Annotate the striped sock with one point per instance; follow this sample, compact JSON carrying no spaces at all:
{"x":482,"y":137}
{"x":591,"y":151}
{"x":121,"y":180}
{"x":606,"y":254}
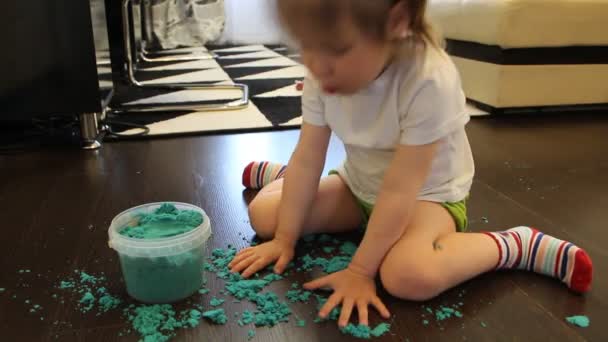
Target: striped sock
{"x":526,"y":248}
{"x":259,"y":174}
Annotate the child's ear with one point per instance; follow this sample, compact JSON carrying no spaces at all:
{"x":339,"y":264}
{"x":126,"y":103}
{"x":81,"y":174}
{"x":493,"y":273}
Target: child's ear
{"x":398,"y":24}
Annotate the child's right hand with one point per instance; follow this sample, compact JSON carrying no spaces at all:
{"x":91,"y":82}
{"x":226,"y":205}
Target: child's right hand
{"x":253,"y":259}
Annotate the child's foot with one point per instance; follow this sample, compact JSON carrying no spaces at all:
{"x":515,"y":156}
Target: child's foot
{"x":525,"y":248}
{"x":259,"y":174}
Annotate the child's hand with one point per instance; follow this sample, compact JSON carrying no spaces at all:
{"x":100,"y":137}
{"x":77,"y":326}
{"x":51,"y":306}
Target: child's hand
{"x":253,"y":259}
{"x":350,"y":289}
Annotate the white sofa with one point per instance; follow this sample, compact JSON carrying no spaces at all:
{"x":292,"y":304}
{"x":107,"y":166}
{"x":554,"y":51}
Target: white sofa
{"x":528,"y":53}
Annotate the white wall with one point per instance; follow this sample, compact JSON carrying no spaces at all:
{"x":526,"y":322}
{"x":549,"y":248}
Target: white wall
{"x":251,"y":22}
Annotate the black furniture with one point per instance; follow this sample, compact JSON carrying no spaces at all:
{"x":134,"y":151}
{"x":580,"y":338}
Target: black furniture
{"x":52,"y":55}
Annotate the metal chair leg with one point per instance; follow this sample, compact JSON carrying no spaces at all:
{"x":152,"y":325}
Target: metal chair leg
{"x":174,"y":56}
{"x":89,"y":131}
{"x":191,"y":106}
{"x":241,"y":103}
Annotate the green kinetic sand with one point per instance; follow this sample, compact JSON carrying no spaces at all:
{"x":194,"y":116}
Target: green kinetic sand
{"x":270,"y":311}
{"x":348,"y":248}
{"x":158,"y":323}
{"x":329,"y":249}
{"x":217,"y":316}
{"x":298,"y":296}
{"x":106,"y":302}
{"x":66,"y":285}
{"x":87,"y":278}
{"x":334,"y":264}
{"x":87,"y":301}
{"x":163,"y":279}
{"x":442,"y":313}
{"x":195,"y":318}
{"x":216,"y":301}
{"x":579,"y":321}
{"x":246,"y":318}
{"x":36,"y":308}
{"x":324,"y":238}
{"x":161,"y":322}
{"x":169,"y":278}
{"x":154,"y":323}
{"x":446,"y":312}
{"x":92,"y":295}
{"x":365,"y":332}
{"x":166,"y":221}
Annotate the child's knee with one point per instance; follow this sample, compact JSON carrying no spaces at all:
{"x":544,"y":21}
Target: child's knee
{"x":410,"y":281}
{"x":262,"y":217}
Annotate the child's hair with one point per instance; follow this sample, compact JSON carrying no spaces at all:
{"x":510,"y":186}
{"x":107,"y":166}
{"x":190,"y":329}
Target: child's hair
{"x":369,"y":15}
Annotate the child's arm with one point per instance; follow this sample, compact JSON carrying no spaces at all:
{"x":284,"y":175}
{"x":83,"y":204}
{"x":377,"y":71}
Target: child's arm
{"x":355,"y":286}
{"x":299,"y":189}
{"x":302,"y":181}
{"x":392,"y":212}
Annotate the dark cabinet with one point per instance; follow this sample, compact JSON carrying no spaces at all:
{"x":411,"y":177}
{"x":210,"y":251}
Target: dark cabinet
{"x":53,"y":54}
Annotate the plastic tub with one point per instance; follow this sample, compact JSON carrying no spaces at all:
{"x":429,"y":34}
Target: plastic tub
{"x":163,"y":270}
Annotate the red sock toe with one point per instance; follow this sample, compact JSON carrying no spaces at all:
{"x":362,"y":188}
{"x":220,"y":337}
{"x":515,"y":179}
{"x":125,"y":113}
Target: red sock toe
{"x":247,"y":175}
{"x":582,"y":273}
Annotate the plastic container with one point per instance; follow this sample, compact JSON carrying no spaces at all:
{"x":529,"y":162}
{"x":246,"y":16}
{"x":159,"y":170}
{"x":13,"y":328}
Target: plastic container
{"x":163,"y":270}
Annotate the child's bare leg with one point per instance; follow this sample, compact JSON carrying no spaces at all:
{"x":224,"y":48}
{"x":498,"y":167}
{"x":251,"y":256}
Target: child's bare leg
{"x":432,"y":257}
{"x":334,"y":209}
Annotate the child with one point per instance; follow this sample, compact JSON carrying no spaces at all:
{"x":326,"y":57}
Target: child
{"x":381,"y":82}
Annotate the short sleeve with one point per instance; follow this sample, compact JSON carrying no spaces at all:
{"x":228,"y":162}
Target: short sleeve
{"x":313,"y":108}
{"x":437,"y":109}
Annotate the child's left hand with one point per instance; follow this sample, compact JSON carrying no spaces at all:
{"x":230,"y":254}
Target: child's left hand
{"x":350,"y":289}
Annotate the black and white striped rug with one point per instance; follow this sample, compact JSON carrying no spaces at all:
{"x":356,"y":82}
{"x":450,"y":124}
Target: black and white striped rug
{"x":270,"y":72}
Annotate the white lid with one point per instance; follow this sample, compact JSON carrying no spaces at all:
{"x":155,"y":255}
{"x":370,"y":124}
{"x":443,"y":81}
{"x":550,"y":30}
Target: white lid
{"x":156,"y":247}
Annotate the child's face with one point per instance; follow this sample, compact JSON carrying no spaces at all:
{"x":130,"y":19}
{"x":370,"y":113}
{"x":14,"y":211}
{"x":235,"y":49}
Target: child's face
{"x":345,"y":60}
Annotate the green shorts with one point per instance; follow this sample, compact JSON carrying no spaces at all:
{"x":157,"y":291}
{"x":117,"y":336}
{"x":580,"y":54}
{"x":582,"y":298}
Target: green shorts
{"x":458,"y":210}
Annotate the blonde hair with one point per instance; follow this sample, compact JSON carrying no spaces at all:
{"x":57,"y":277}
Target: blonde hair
{"x":370,"y":16}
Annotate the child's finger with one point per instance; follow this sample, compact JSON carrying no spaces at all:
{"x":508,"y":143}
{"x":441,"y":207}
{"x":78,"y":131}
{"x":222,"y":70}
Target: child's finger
{"x":333,"y":301}
{"x":239,"y":258}
{"x":377,"y":303}
{"x":244,"y":251}
{"x":254,"y":267}
{"x":243,"y":264}
{"x":362,"y":309}
{"x":347,"y":309}
{"x":281,"y":264}
{"x":242,"y":254}
{"x":317,"y":283}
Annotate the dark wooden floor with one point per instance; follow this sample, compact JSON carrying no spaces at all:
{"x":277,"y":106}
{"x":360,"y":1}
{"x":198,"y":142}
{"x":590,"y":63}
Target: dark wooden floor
{"x":547,"y":171}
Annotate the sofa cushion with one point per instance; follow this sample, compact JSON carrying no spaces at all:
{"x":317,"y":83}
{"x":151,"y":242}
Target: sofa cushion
{"x":523,"y":23}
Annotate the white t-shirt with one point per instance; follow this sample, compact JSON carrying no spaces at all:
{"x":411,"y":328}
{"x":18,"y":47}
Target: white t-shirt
{"x":413,"y":102}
